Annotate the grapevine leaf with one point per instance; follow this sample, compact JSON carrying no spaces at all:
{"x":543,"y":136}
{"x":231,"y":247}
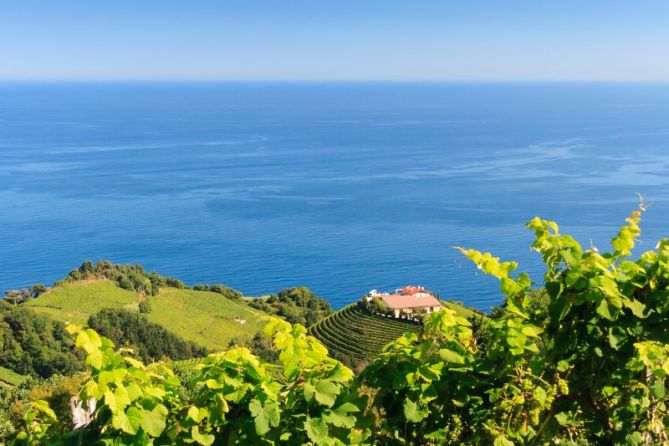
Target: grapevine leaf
{"x":94,"y":359}
{"x":88,"y":340}
{"x":121,"y":422}
{"x":502,"y":441}
{"x":153,"y":422}
{"x":326,"y":392}
{"x":203,"y":439}
{"x":603,"y":310}
{"x":451,"y":356}
{"x":264,"y":416}
{"x":413,"y":412}
{"x":317,"y":430}
{"x":637,"y":307}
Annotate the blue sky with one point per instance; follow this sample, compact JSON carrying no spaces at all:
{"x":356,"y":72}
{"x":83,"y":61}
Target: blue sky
{"x":469,"y":40}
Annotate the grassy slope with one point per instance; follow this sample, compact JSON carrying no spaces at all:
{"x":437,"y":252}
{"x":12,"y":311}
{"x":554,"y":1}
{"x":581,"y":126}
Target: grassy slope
{"x":75,"y":302}
{"x":11,"y":378}
{"x":204,"y":317}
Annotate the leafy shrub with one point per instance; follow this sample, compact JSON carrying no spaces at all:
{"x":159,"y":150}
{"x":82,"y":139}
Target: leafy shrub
{"x":223,"y":290}
{"x":375,"y":305}
{"x":174,"y":283}
{"x":37,"y":290}
{"x":144,"y":306}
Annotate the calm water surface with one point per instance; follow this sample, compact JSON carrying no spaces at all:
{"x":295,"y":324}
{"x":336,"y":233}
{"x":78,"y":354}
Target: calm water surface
{"x":340,"y":187}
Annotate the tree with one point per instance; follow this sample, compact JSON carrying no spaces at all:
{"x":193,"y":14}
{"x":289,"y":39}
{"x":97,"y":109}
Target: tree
{"x":37,"y":290}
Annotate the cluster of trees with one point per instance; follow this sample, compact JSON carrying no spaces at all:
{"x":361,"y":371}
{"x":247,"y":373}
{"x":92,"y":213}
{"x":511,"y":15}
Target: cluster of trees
{"x":151,"y":342}
{"x":375,"y":305}
{"x":223,"y":290}
{"x":128,"y":277}
{"x":586,"y":361}
{"x":35,"y":345}
{"x":298,"y":305}
{"x":20,"y":296}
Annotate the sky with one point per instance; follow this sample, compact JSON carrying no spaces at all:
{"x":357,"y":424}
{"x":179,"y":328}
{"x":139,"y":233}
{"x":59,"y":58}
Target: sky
{"x":342,"y":40}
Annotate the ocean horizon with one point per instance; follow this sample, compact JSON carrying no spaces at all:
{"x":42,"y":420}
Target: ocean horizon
{"x":340,"y":187}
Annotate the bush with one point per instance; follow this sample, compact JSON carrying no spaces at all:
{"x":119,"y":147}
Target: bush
{"x":37,"y":290}
{"x":229,"y":293}
{"x":221,"y":289}
{"x":375,"y":305}
{"x":174,"y":283}
{"x":144,"y":307}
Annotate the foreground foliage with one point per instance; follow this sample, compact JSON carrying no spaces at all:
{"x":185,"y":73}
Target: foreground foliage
{"x":585,"y":361}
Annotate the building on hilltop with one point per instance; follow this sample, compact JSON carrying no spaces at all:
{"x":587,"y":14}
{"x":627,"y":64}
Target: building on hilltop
{"x":408,"y":301}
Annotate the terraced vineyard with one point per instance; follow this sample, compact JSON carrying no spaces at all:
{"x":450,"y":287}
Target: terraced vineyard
{"x":354,"y":336}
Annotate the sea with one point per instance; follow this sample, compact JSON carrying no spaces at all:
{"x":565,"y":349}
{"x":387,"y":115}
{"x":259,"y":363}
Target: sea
{"x":340,"y":187}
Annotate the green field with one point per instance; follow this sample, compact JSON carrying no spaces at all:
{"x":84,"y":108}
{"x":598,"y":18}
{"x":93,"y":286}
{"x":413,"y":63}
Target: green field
{"x":206,"y":318}
{"x":8,"y":377}
{"x":76,"y":301}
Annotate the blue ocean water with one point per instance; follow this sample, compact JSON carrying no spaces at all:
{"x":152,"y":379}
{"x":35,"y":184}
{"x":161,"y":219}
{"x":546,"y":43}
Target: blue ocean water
{"x":339,"y":187}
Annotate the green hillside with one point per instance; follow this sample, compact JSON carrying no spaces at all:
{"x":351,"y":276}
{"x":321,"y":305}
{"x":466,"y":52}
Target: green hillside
{"x":355,"y":336}
{"x":203,"y":317}
{"x":76,"y":301}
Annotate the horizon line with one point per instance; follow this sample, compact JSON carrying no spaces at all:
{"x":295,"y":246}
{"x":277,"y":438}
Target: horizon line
{"x":344,"y":81}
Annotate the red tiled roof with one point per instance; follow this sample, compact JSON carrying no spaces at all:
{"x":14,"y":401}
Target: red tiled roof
{"x":411,"y":290}
{"x":401,"y":301}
